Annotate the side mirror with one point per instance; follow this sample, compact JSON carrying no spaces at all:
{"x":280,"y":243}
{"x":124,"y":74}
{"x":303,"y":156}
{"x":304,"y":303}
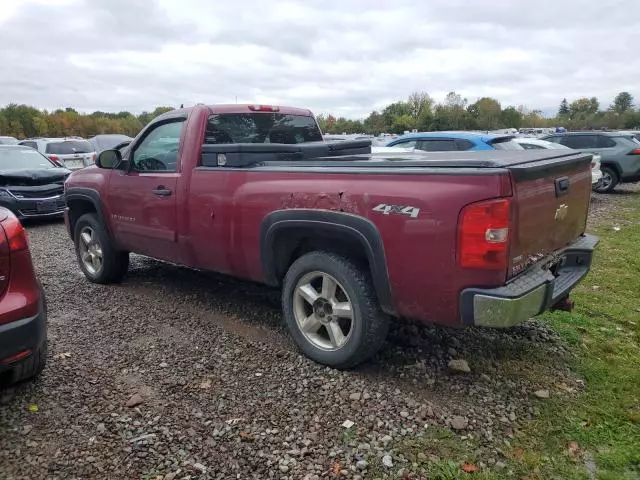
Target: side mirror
{"x":109,"y":159}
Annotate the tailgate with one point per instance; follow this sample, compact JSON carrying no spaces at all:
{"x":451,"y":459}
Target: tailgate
{"x":552,"y":203}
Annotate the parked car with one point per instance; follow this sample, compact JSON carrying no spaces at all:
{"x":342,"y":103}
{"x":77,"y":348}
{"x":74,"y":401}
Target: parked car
{"x":455,"y":141}
{"x":634,"y":133}
{"x":8,"y":141}
{"x":536,"y":144}
{"x":108,"y":141}
{"x":351,"y":238}
{"x":619,"y":154}
{"x":31,"y":185}
{"x":73,"y":153}
{"x":23,"y":310}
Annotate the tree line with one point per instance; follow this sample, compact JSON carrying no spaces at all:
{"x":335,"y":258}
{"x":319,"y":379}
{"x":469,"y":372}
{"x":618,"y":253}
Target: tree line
{"x":419,"y":111}
{"x":22,"y":121}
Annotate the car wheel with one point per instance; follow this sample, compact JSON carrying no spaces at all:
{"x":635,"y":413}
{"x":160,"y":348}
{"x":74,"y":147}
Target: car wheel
{"x":331,"y":310}
{"x":608,"y":181}
{"x":99,"y":259}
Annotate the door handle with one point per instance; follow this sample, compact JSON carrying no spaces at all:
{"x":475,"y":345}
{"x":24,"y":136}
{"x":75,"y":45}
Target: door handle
{"x":162,"y":192}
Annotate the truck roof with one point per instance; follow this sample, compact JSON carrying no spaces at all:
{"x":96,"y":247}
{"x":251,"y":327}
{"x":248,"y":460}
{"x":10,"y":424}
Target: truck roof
{"x":241,"y":108}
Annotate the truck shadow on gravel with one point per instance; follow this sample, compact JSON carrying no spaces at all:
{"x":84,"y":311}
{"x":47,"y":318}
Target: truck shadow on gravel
{"x":415,"y":355}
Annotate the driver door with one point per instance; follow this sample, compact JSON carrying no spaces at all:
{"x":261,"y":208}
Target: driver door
{"x":142,"y":200}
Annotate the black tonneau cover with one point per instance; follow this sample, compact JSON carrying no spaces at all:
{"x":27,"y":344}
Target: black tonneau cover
{"x":250,"y":154}
{"x":357,"y":153}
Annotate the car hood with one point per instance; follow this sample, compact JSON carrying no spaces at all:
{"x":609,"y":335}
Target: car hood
{"x":27,"y":178}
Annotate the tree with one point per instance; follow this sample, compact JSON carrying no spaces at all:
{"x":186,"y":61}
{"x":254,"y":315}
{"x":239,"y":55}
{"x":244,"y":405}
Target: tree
{"x":486,"y":112}
{"x":455,"y":100}
{"x":511,"y":118}
{"x":622,"y":103}
{"x":563,"y":111}
{"x":583,"y":107}
{"x":420,"y":104}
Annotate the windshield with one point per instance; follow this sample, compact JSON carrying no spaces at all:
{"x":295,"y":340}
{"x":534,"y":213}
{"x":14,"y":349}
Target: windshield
{"x":69,"y":147}
{"x":23,"y":159}
{"x":261,"y":128}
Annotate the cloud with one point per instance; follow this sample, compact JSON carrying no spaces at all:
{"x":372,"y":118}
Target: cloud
{"x":347,"y":57}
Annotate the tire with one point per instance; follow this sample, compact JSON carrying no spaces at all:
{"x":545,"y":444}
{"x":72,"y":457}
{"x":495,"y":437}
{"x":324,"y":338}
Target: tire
{"x":609,"y":181}
{"x":31,"y":367}
{"x":114,"y":263}
{"x":368,"y":326}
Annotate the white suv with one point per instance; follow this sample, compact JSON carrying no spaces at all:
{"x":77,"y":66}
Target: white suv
{"x":72,"y":153}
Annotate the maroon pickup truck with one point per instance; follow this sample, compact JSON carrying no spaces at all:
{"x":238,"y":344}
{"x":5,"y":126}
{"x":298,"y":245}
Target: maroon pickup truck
{"x":457,"y":238}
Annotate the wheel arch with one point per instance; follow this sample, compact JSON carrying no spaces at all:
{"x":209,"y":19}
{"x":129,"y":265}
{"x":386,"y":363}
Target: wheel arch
{"x":80,"y":201}
{"x":288,"y":234}
{"x":614,"y":165}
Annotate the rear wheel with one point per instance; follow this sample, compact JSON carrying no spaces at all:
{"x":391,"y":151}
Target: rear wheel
{"x":331,"y":310}
{"x":609,"y":180}
{"x":99,"y":259}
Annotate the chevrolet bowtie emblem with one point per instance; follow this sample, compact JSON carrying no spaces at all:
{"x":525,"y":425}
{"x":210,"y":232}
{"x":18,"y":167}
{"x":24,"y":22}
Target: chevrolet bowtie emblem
{"x":561,"y":212}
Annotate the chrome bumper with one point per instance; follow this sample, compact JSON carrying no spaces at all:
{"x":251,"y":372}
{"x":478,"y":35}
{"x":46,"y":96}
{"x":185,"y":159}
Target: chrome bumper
{"x":530,"y":293}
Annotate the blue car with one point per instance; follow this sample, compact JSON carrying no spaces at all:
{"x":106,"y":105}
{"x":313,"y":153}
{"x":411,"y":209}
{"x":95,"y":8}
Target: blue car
{"x":455,"y":141}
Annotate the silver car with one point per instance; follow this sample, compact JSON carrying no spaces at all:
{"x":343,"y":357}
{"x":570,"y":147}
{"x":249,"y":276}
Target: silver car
{"x":8,"y":140}
{"x":72,"y":153}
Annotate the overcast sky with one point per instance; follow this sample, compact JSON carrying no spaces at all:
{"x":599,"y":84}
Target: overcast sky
{"x":345,"y":57}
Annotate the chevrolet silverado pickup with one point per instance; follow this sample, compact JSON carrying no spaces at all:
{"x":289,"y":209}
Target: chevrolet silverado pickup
{"x":351,"y":239}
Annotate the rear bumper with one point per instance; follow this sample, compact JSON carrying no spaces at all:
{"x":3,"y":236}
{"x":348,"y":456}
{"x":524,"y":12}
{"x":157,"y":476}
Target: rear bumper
{"x":531,"y":292}
{"x":27,"y":334}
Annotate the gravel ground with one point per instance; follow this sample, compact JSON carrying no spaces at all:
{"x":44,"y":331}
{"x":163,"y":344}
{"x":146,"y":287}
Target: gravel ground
{"x":181,"y":374}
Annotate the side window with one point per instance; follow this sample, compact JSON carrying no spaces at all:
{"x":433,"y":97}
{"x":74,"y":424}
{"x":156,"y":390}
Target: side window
{"x":605,"y":142}
{"x":405,"y":144}
{"x":580,"y":142}
{"x":438,"y":145}
{"x":463,"y":144}
{"x":158,"y":151}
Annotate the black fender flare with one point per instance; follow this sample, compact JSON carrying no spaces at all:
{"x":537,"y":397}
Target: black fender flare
{"x":87,"y":195}
{"x":357,"y":228}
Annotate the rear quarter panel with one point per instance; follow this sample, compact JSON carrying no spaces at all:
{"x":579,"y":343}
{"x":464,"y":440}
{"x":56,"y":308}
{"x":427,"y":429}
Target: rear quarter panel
{"x":226,"y":208}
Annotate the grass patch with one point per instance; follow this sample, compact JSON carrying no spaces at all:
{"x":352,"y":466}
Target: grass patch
{"x":438,"y":454}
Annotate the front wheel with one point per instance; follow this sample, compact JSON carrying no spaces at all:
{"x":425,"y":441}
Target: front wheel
{"x":98,"y":257}
{"x":608,"y":181}
{"x":331,"y":310}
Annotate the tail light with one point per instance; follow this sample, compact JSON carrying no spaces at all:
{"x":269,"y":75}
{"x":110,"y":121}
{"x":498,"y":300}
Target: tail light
{"x":635,"y":151}
{"x":13,"y":238}
{"x":483,"y":235}
{"x":263,"y":108}
{"x":55,"y":159}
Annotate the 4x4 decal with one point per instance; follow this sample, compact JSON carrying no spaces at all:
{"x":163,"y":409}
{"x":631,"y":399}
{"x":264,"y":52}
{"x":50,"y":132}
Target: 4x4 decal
{"x":385,"y":209}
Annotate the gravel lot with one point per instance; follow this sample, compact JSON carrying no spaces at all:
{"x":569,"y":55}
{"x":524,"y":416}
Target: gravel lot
{"x":221,"y":392}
